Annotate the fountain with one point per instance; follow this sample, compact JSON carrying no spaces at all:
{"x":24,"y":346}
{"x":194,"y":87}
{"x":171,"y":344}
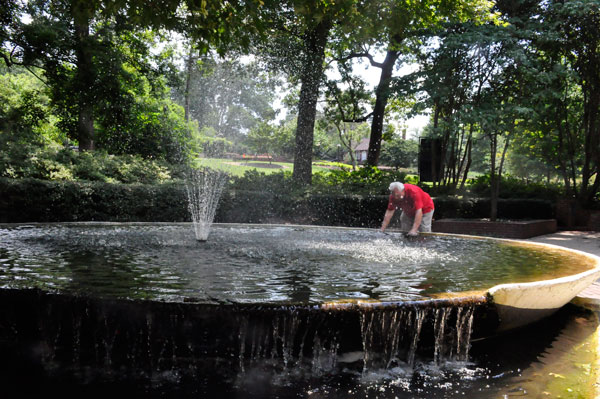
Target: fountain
{"x":204,"y":187}
{"x":261,"y":307}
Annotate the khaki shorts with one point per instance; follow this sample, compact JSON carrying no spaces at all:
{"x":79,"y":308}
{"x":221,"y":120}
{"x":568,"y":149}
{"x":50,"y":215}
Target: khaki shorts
{"x":406,"y":222}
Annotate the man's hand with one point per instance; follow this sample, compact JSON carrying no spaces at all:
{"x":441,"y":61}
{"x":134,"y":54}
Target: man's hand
{"x":386,"y":219}
{"x":412,"y":233}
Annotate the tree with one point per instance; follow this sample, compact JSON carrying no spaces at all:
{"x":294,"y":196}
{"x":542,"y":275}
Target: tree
{"x":227,"y":95}
{"x":69,"y":40}
{"x":572,"y":40}
{"x":298,"y":41}
{"x":456,"y":78}
{"x":345,"y":110}
{"x":262,"y":139}
{"x":388,"y":27}
{"x":25,"y":115}
{"x":400,"y":153}
{"x":560,"y":81}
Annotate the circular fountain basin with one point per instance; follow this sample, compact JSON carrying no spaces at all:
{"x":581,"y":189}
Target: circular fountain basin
{"x":149,"y":301}
{"x":291,"y":265}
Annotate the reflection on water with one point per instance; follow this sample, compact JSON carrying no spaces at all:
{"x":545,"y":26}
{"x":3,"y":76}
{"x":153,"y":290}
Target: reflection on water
{"x":254,"y":264}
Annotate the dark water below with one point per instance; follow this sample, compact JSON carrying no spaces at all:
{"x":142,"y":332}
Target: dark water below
{"x":257,"y":264}
{"x":555,"y":358}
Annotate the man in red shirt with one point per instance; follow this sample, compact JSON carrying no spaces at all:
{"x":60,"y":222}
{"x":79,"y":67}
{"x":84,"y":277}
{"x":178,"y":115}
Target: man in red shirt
{"x":417,"y":208}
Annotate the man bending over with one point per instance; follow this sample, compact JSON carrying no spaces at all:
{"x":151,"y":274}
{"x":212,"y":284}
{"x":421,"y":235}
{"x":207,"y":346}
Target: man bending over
{"x":417,"y":208}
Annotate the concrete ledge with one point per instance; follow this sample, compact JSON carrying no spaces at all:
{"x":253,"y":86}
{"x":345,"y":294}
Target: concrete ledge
{"x":504,"y":229}
{"x":519,"y":304}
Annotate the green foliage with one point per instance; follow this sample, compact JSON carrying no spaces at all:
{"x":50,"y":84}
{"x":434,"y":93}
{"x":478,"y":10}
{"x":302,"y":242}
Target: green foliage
{"x":215,"y":147}
{"x":261,"y":138}
{"x":225,"y":95}
{"x":364,"y":181}
{"x":33,"y":200}
{"x":285,"y":139}
{"x":25,"y":115}
{"x":511,"y":187}
{"x":50,"y":163}
{"x":155,"y":129}
{"x":106,"y":86}
{"x":399,"y":153}
{"x":277,"y":182}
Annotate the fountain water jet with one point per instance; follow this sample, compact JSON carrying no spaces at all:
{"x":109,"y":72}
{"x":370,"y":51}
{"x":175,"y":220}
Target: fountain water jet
{"x":204,"y":187}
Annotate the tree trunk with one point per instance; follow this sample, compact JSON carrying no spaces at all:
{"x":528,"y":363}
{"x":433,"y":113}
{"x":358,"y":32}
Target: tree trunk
{"x":467,"y":158}
{"x":382,"y":94}
{"x":311,"y":77}
{"x":496,"y":174}
{"x":591,"y":125}
{"x":494,"y":184}
{"x":188,"y":83}
{"x":434,"y":164}
{"x":85,"y":80}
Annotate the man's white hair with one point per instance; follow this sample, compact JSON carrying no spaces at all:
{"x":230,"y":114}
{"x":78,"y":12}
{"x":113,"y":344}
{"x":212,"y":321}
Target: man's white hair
{"x":396,"y":185}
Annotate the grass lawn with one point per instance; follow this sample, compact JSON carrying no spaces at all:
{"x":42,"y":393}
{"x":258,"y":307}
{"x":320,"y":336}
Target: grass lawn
{"x":237,"y":168}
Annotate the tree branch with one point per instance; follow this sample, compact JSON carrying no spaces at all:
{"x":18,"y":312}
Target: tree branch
{"x":358,"y":120}
{"x":361,"y":55}
{"x":7,"y":60}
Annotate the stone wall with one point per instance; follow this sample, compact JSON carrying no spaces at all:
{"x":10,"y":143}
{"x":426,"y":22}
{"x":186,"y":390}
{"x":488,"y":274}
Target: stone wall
{"x":571,"y":215}
{"x":502,"y":229}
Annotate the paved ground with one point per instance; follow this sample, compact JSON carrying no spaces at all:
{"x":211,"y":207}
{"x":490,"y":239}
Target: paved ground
{"x":586,"y":241}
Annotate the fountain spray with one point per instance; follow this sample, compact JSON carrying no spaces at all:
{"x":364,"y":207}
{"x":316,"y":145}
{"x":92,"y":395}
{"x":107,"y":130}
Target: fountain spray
{"x":204,"y":187}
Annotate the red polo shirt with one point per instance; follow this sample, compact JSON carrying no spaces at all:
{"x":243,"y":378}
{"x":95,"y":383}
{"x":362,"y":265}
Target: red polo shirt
{"x":414,"y":199}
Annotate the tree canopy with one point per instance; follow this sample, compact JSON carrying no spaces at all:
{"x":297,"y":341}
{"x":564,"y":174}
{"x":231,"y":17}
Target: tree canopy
{"x":165,"y":79}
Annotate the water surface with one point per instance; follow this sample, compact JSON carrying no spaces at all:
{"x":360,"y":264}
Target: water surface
{"x":263,"y":264}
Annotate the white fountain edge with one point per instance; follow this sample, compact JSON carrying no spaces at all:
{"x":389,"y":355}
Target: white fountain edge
{"x":520,"y":304}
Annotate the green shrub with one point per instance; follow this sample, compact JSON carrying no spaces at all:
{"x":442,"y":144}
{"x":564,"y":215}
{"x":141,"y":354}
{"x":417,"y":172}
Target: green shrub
{"x":479,"y":208}
{"x":51,"y":163}
{"x":511,"y":187}
{"x":364,"y":181}
{"x":34,"y":200}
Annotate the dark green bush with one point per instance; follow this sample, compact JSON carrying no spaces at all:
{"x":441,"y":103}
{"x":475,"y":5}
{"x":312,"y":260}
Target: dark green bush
{"x":511,"y":187}
{"x":331,"y":210}
{"x":32,"y":200}
{"x":479,"y":208}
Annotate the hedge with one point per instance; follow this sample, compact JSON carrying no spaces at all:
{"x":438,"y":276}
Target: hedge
{"x":31,"y":200}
